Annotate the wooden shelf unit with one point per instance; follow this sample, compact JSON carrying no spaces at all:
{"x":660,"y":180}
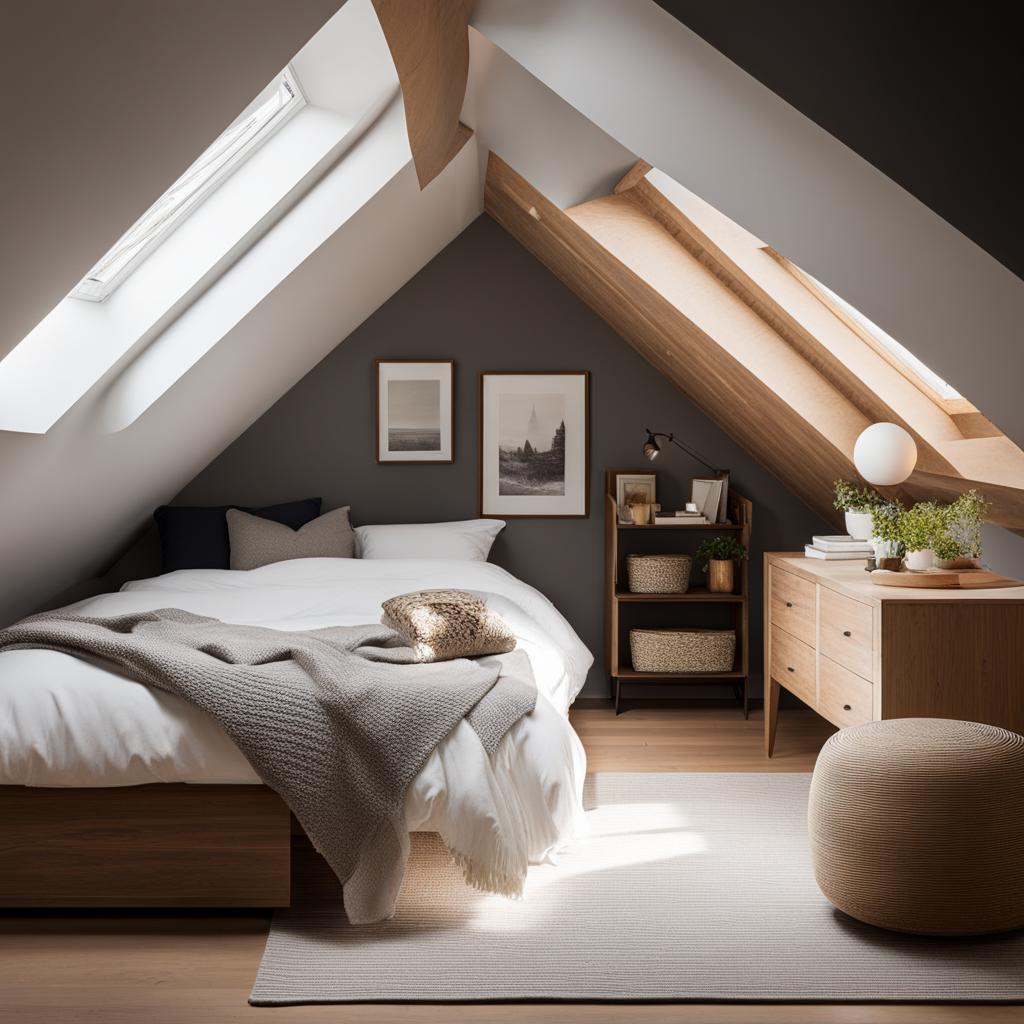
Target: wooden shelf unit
{"x":622,"y":539}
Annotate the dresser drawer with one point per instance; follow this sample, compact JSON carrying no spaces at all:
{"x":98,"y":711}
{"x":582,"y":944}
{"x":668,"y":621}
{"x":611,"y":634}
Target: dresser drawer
{"x":793,"y":604}
{"x":843,"y":697}
{"x":845,"y":632}
{"x":793,"y":666}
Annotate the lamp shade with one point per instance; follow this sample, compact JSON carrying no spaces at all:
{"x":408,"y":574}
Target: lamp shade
{"x":885,"y":454}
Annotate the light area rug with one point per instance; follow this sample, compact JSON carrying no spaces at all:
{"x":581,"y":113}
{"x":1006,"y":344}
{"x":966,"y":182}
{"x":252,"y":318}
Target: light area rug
{"x":691,"y":887}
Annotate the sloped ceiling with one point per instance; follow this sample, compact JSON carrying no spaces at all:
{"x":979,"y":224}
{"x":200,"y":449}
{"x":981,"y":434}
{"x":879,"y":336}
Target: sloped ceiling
{"x":571,"y":93}
{"x":925,"y":92}
{"x":666,"y":94}
{"x":106,"y":103}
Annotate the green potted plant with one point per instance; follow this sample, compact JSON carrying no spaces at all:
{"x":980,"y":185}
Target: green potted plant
{"x":921,"y":528}
{"x":885,"y":534}
{"x":958,"y":545}
{"x":717,"y":557}
{"x":857,"y":503}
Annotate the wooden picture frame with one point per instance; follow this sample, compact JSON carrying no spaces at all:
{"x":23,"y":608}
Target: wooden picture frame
{"x":550,"y":411}
{"x":415,"y":411}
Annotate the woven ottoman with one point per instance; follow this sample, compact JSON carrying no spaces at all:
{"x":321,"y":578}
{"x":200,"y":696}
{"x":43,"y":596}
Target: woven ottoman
{"x":917,"y":825}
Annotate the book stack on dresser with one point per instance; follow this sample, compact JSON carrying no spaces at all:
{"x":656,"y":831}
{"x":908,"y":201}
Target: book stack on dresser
{"x":838,"y":547}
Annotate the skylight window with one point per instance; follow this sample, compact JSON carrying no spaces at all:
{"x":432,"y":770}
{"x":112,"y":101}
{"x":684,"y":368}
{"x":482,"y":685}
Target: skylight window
{"x":907,"y":358}
{"x":266,"y":115}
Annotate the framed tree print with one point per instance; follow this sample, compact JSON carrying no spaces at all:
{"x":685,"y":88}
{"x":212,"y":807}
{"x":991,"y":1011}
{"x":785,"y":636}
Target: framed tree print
{"x":415,"y":411}
{"x":534,"y":444}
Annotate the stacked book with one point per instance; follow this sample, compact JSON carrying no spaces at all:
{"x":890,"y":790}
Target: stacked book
{"x":838,"y":547}
{"x":681,"y":519}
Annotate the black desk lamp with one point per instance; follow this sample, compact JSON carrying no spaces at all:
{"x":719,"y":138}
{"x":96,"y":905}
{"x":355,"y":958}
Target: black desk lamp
{"x":652,"y":448}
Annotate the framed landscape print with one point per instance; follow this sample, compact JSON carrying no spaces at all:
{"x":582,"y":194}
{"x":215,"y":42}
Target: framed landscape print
{"x":415,"y":411}
{"x":534,"y":444}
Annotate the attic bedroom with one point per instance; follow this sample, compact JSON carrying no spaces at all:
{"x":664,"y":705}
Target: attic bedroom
{"x":512,"y":510}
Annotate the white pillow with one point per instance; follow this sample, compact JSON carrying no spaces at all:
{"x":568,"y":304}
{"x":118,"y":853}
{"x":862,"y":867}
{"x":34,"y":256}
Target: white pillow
{"x":468,"y":541}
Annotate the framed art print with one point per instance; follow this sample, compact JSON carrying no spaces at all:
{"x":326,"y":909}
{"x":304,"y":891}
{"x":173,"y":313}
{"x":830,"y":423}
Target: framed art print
{"x":415,"y":411}
{"x":534,"y":444}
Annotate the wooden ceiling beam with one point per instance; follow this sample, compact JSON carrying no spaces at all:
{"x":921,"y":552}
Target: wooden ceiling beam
{"x":783,"y":408}
{"x":429,"y":42}
{"x":730,"y":394}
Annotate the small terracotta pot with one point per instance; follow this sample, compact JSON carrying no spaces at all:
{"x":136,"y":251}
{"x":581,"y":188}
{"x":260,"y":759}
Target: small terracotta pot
{"x":890,"y":564}
{"x":720,"y":576}
{"x":641,"y":514}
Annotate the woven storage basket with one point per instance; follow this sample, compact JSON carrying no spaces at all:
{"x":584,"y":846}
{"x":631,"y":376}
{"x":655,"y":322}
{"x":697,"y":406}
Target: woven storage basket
{"x":658,"y":574}
{"x":683,"y":650}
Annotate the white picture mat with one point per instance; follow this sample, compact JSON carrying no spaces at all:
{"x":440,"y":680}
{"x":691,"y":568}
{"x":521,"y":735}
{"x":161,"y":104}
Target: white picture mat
{"x":441,"y":372}
{"x":573,"y":387}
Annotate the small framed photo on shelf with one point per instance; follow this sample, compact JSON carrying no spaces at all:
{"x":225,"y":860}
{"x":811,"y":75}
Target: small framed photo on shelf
{"x":534,"y":444}
{"x":635,"y":493}
{"x":415,"y":411}
{"x":711,"y":497}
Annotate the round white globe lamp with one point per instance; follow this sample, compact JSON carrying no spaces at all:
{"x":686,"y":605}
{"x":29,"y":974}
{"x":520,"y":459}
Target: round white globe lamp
{"x":885,"y":454}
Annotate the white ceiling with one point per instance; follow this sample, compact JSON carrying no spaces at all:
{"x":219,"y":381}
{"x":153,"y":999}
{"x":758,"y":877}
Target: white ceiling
{"x":105,"y":104}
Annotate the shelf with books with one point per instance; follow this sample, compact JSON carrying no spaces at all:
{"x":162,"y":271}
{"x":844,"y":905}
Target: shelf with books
{"x":697,"y":608}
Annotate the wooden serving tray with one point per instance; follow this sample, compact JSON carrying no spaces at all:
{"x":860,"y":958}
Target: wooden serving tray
{"x":967,"y":579}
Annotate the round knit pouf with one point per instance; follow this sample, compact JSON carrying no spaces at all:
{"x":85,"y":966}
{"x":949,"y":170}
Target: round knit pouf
{"x":917,"y":825}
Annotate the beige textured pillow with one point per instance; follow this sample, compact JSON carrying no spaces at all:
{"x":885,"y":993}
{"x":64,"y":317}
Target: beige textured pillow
{"x":443,"y":624}
{"x":256,"y":541}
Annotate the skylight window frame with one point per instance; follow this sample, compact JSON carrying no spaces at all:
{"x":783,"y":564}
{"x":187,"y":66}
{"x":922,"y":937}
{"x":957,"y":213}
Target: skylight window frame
{"x":90,"y":289}
{"x":949,"y":404}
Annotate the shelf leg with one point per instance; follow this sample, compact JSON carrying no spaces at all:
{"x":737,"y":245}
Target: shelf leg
{"x":746,"y":700}
{"x":618,"y":691}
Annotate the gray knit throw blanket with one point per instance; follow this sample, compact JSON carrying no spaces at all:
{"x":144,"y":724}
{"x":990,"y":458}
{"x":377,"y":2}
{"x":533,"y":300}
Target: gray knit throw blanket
{"x":338,"y":721}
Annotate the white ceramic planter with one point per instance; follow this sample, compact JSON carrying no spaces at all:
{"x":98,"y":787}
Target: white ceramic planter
{"x":858,"y":525}
{"x":917,"y":561}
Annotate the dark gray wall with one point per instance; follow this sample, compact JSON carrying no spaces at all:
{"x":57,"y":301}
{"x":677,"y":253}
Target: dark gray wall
{"x":487,"y":304}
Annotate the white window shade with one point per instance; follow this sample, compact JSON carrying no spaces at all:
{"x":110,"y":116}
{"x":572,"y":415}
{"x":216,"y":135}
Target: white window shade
{"x":279,"y":102}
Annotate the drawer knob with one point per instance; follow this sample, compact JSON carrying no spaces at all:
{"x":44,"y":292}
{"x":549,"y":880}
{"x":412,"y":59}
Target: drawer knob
{"x":846,"y":632}
{"x":789,"y":668}
{"x":846,"y":707}
{"x":789,"y":604}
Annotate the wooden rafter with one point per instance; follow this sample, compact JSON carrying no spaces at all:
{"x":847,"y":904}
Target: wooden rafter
{"x":429,"y":43}
{"x":720,"y":338}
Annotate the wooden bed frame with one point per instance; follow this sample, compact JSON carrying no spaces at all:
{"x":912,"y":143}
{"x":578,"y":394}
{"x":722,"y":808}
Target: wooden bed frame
{"x":162,"y":845}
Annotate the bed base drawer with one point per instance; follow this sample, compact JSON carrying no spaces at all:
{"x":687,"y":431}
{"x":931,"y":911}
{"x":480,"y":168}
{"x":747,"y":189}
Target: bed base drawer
{"x":172,"y":845}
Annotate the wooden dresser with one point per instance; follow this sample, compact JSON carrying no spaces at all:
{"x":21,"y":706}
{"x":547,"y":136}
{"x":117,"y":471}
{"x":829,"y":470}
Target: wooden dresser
{"x":858,"y":652}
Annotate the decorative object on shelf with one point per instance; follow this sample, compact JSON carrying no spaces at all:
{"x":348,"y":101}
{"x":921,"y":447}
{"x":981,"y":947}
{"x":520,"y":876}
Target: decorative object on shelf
{"x":709,"y":495}
{"x":683,"y":650}
{"x":716,"y":514}
{"x":885,"y":454}
{"x":959,"y":545}
{"x":534,"y":444}
{"x":857,"y":503}
{"x":632,"y":489}
{"x":717,"y":557}
{"x":658,"y":574}
{"x":415,"y":411}
{"x":639,"y":508}
{"x":885,"y":534}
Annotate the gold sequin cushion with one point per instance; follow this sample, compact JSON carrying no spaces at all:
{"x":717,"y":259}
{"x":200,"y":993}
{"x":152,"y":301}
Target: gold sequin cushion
{"x":443,"y":624}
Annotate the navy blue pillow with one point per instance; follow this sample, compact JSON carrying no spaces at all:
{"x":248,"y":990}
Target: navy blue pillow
{"x":197,"y":538}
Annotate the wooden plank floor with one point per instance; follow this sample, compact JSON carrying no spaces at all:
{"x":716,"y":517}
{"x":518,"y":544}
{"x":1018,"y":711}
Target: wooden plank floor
{"x":197,"y":968}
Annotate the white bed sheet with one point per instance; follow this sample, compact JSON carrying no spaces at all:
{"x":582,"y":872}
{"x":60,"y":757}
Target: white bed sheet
{"x":65,"y":721}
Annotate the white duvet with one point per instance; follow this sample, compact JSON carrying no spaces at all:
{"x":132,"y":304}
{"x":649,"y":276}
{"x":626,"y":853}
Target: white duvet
{"x":68,"y":722}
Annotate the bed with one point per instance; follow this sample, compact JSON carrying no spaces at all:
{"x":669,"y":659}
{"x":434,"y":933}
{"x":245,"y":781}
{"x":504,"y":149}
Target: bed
{"x":112,"y":793}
